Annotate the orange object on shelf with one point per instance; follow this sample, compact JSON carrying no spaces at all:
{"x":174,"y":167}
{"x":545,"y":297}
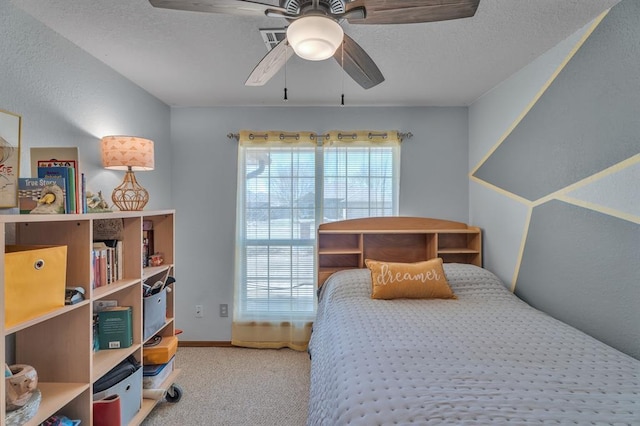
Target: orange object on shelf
{"x":162,"y":352}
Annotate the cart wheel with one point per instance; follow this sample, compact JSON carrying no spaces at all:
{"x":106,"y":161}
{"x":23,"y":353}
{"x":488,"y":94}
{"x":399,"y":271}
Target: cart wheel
{"x":174,"y":393}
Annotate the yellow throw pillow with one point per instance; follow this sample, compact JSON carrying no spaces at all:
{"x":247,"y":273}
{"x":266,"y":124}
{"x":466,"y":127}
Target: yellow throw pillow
{"x":420,"y":280}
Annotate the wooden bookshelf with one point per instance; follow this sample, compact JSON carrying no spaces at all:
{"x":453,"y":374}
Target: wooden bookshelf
{"x":58,"y":343}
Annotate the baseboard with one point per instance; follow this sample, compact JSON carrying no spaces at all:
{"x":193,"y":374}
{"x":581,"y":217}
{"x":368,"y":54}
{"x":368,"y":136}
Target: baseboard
{"x":204,"y":343}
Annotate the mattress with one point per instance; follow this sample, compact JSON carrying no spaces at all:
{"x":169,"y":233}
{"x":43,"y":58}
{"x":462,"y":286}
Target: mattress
{"x":486,"y":358}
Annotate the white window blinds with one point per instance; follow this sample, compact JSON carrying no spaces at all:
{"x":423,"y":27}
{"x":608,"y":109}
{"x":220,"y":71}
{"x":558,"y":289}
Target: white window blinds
{"x":276,"y":210}
{"x":288,"y":183}
{"x":361,"y":173}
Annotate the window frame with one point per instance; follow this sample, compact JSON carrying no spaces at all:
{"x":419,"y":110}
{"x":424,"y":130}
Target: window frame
{"x":243,"y":243}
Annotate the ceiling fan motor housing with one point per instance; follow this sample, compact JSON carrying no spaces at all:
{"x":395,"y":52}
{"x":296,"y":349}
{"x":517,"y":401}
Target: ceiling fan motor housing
{"x":331,"y":7}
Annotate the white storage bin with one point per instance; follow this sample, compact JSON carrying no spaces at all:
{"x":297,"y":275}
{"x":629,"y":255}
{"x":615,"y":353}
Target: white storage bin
{"x":154,"y":313}
{"x":130,"y":391}
{"x":153,"y":375}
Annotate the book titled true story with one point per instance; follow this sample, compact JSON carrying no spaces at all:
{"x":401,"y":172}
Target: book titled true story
{"x":41,"y":195}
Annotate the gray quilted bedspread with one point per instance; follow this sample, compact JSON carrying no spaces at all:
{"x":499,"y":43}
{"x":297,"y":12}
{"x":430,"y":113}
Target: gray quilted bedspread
{"x":486,"y":358}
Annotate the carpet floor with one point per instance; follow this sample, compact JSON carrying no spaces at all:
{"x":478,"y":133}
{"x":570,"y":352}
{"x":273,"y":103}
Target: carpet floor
{"x":236,"y":387}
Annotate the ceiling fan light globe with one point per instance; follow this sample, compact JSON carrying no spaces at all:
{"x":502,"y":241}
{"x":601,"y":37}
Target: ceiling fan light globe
{"x":315,"y":50}
{"x":315,"y":37}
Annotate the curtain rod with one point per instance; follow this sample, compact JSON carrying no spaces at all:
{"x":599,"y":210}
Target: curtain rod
{"x":401,"y":135}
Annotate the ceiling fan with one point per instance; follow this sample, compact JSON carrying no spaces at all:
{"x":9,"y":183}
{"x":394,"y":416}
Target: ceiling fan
{"x":314,"y":32}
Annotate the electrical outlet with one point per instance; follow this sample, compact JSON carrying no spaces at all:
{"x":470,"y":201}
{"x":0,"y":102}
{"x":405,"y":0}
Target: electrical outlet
{"x":224,"y":310}
{"x":199,"y":311}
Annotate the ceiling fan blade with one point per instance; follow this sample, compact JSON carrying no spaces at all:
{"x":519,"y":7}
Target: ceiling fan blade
{"x":230,"y":7}
{"x":358,"y":64}
{"x":352,"y":10}
{"x":413,"y":11}
{"x":270,"y":64}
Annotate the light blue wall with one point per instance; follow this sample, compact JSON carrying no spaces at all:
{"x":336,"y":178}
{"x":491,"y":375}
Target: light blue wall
{"x":502,"y":217}
{"x":67,"y":97}
{"x":433,"y":183}
{"x":558,"y":196}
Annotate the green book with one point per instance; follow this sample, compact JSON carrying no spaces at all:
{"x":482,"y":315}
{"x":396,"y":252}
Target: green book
{"x":71,"y":176}
{"x":115,"y":327}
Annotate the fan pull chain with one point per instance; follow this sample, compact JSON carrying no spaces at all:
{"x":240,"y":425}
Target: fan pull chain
{"x":342,"y":65}
{"x":285,"y":72}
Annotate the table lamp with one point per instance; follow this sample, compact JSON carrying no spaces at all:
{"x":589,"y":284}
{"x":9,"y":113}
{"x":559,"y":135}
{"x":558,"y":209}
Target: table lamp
{"x":128,"y":153}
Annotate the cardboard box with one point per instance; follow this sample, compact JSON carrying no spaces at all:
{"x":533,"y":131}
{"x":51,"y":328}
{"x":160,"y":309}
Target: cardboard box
{"x":162,"y":352}
{"x":130,"y":391}
{"x":154,"y":313}
{"x":35,"y":281}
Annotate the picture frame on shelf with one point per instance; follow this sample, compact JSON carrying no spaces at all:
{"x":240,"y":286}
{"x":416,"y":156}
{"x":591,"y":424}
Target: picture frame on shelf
{"x":10,"y":134}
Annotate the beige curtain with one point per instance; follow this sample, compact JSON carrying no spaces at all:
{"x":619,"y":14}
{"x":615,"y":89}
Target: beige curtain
{"x":274,"y":280}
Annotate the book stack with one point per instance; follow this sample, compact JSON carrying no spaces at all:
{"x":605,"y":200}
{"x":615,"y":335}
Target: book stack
{"x":147,"y":242}
{"x":108,"y":262}
{"x":51,"y":163}
{"x":55,"y":169}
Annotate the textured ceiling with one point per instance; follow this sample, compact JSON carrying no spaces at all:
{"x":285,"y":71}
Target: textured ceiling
{"x":199,"y":59}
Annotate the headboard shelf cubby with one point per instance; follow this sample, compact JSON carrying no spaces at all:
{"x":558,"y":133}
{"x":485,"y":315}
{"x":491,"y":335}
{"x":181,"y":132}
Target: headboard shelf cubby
{"x":346,"y":244}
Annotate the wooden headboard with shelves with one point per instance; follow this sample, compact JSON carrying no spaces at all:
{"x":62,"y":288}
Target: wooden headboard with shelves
{"x":346,"y":244}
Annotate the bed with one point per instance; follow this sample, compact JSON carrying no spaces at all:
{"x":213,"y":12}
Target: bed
{"x":483,"y":357}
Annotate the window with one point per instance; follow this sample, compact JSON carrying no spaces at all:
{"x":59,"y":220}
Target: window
{"x":361,"y":179}
{"x":287,"y":185}
{"x":276,"y":243}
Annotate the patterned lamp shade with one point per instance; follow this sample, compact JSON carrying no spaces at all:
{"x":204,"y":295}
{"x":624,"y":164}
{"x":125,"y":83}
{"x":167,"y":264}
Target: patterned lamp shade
{"x":124,"y":152}
{"x":128,"y":153}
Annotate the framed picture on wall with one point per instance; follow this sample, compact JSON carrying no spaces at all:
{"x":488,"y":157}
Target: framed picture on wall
{"x":10,"y":128}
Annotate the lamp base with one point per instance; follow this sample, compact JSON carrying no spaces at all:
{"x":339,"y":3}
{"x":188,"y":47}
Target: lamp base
{"x":129,"y":195}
